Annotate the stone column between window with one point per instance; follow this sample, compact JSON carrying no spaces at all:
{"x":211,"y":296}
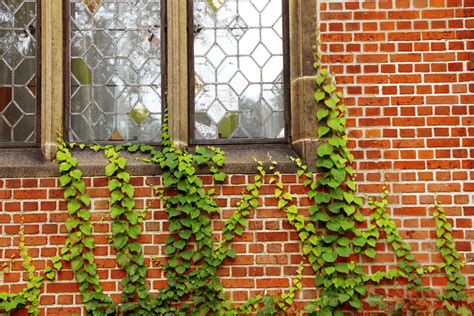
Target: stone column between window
{"x":52,"y":74}
{"x":177,"y":82}
{"x":303,"y":33}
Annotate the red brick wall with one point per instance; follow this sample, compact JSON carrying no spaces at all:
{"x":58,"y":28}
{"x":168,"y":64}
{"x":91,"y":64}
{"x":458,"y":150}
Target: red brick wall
{"x":403,"y":65}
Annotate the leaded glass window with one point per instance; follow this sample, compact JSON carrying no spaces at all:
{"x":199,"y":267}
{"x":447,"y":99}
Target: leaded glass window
{"x":18,"y":79}
{"x":239,"y":70}
{"x":115,"y":70}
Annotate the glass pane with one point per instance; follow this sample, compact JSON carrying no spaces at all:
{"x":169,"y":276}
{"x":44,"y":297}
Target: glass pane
{"x":17,"y":72}
{"x":238,"y":62}
{"x":115,"y":70}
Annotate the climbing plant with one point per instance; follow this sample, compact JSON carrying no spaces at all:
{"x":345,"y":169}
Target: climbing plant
{"x":334,"y":236}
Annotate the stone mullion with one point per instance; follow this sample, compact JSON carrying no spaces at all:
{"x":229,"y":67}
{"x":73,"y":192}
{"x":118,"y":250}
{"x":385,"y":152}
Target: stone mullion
{"x":52,"y":74}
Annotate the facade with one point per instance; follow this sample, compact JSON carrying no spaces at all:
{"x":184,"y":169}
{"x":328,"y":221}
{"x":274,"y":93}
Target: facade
{"x":405,"y":67}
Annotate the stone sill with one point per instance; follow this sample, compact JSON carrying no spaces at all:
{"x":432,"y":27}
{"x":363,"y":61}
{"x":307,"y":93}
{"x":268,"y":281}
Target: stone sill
{"x":29,"y":162}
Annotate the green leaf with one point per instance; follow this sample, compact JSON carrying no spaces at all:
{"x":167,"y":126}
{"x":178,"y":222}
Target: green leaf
{"x":323,"y":130}
{"x":128,"y":189}
{"x":110,"y":169}
{"x":169,"y":250}
{"x":76,"y":174}
{"x":71,"y":223}
{"x":64,"y":180}
{"x":73,"y":206}
{"x":121,"y":162}
{"x":120,"y":241}
{"x":185,"y":234}
{"x":319,"y":95}
{"x":88,"y":242}
{"x":124,"y":176}
{"x":114,"y":184}
{"x":134,"y":231}
{"x":116,"y":211}
{"x":343,"y":251}
{"x":329,"y":88}
{"x":231,"y":253}
{"x":324,"y":150}
{"x":329,"y":256}
{"x":370,"y":252}
{"x":179,"y":244}
{"x":219,"y":176}
{"x":331,"y":103}
{"x":84,"y":214}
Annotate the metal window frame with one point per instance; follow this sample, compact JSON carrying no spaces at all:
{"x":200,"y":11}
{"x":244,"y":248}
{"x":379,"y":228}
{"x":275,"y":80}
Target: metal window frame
{"x":67,"y":69}
{"x":286,"y":87}
{"x":37,"y":143}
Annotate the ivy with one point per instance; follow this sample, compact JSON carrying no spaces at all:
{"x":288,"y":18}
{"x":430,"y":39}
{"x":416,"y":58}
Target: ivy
{"x":29,"y":296}
{"x":331,"y":236}
{"x":451,"y":264}
{"x":126,"y":228}
{"x":80,"y":243}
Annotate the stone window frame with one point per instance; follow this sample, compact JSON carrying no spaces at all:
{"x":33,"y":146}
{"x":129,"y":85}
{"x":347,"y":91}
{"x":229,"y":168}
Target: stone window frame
{"x":302,"y":30}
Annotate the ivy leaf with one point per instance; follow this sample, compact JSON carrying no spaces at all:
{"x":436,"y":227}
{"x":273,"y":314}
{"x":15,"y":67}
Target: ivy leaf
{"x":64,"y":180}
{"x":134,"y":231}
{"x":334,"y":123}
{"x":329,"y":88}
{"x":86,"y":229}
{"x":76,"y":174}
{"x":331,"y":103}
{"x":185,"y":234}
{"x":125,"y":176}
{"x":121,"y":162}
{"x":114,"y":184}
{"x":319,"y":95}
{"x":370,"y":252}
{"x":319,"y":80}
{"x":323,"y":130}
{"x":179,"y":244}
{"x":128,"y":203}
{"x":128,"y":189}
{"x":64,"y":166}
{"x":116,"y":211}
{"x":110,"y":169}
{"x":169,"y":250}
{"x":343,"y":251}
{"x":187,"y":255}
{"x":120,"y":241}
{"x":322,"y":113}
{"x":72,"y":223}
{"x":84,"y":214}
{"x":329,"y":256}
{"x":132,"y":217}
{"x":85,"y":199}
{"x":73,"y":206}
{"x":324,"y":150}
{"x":231,"y":253}
{"x":219,"y":176}
{"x":88,"y":242}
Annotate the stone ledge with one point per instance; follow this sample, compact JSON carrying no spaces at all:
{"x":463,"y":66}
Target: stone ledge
{"x":29,"y":163}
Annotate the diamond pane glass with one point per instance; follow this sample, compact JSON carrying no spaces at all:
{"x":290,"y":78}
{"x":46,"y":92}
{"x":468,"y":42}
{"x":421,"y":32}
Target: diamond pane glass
{"x":18,"y":73}
{"x":238,"y":62}
{"x":115,"y":71}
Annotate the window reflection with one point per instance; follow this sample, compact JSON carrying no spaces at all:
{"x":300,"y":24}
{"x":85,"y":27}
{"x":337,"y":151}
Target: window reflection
{"x":115,"y":71}
{"x":17,"y":72}
{"x":238,"y":62}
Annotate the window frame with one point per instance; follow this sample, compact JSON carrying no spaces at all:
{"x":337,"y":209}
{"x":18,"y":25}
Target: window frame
{"x":38,"y":100}
{"x":67,"y":70}
{"x":286,"y":87}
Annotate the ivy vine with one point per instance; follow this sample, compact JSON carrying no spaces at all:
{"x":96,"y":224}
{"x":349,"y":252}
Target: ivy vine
{"x":334,"y":236}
